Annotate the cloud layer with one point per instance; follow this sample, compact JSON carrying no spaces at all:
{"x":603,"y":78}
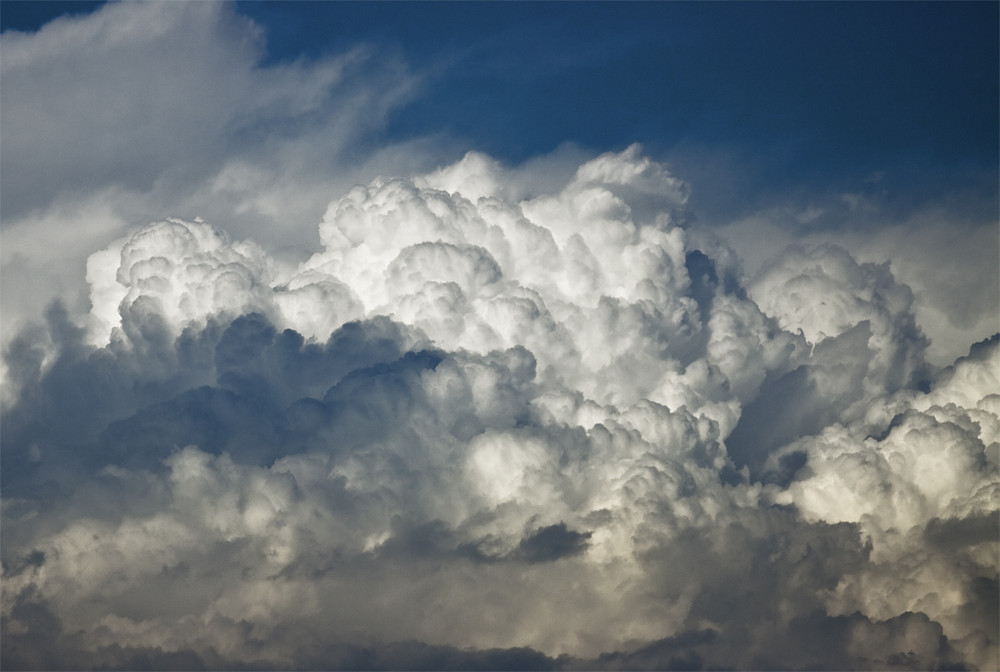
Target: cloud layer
{"x":489,"y":427}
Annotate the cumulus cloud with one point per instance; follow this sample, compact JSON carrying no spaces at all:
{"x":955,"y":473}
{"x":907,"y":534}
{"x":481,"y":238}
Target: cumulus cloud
{"x":942,"y":249}
{"x":924,"y":491}
{"x":489,"y":427}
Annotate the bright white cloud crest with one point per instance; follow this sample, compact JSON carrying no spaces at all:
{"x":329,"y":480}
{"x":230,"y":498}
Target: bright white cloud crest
{"x":482,"y":419}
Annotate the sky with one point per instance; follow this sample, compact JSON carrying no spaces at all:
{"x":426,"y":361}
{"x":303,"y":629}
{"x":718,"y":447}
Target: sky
{"x":500,"y":335}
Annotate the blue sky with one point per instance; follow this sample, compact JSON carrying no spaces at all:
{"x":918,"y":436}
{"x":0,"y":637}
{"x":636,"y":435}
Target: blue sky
{"x":858,"y":82}
{"x":511,"y":335}
{"x":805,"y":95}
{"x":799,"y":95}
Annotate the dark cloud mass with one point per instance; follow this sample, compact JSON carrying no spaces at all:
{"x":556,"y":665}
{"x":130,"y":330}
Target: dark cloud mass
{"x":486,"y":426}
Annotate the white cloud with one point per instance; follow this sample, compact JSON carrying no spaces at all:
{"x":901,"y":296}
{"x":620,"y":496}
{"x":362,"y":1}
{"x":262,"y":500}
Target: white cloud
{"x":824,"y":293}
{"x":945,"y":252}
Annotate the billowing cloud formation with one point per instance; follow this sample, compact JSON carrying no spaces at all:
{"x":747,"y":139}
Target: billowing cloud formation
{"x":485,"y":429}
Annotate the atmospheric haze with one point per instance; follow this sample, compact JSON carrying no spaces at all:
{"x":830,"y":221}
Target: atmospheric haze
{"x":495,"y":416}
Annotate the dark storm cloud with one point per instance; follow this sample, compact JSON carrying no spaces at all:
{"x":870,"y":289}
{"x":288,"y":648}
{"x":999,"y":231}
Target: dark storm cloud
{"x":129,"y":399}
{"x":552,"y":543}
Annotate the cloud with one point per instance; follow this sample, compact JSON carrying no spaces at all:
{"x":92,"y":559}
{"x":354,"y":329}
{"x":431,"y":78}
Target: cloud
{"x":932,"y":245}
{"x":552,"y":543}
{"x":863,"y":338}
{"x":487,"y":427}
{"x":139,"y":111}
{"x":136,"y":94}
{"x":481,"y":417}
{"x":927,"y":474}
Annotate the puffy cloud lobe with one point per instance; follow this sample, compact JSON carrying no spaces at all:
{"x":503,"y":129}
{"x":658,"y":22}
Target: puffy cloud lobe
{"x":858,"y":325}
{"x":478,"y":275}
{"x":928,"y":476}
{"x":189,"y":269}
{"x":850,"y":294}
{"x":547,"y":427}
{"x":587,"y":281}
